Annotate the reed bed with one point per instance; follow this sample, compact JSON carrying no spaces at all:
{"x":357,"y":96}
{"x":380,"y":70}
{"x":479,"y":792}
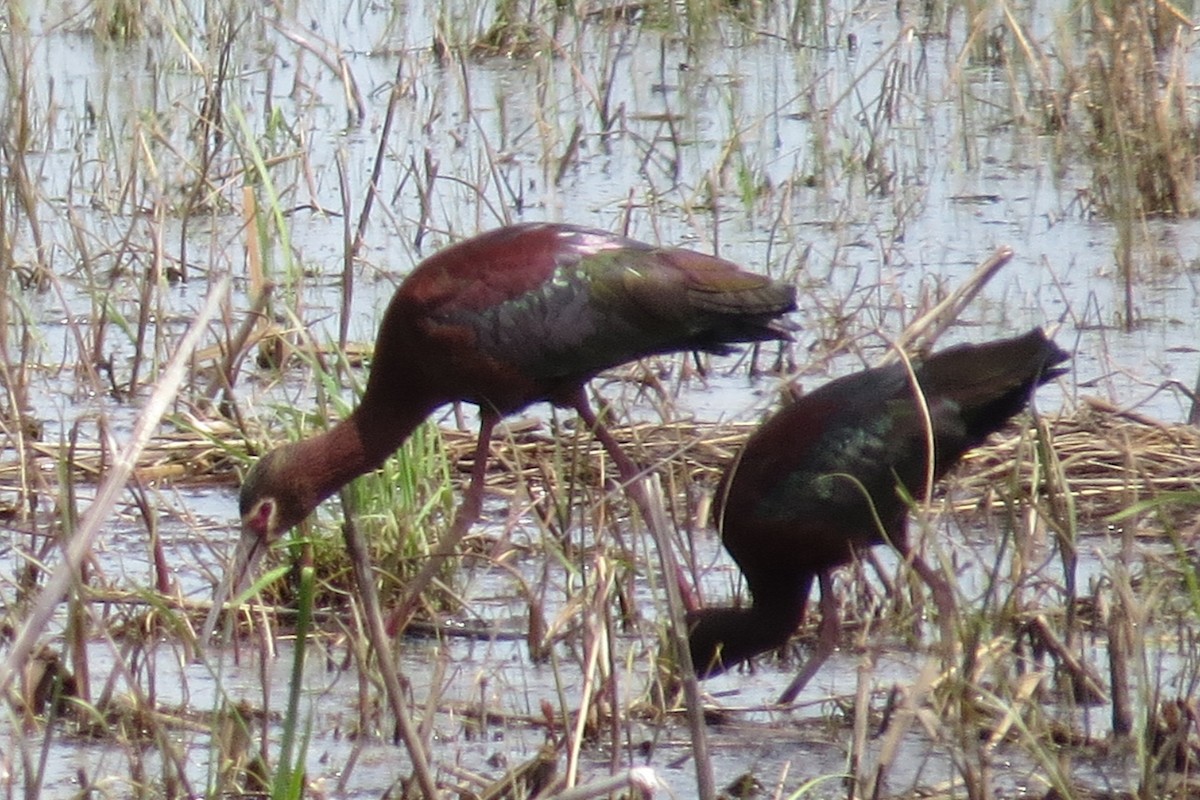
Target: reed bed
{"x":1111,"y":459}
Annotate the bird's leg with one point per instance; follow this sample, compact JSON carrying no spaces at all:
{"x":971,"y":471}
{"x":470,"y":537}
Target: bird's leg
{"x":468,"y":512}
{"x":630,"y":473}
{"x":943,"y":595}
{"x":638,"y":489}
{"x":827,"y":639}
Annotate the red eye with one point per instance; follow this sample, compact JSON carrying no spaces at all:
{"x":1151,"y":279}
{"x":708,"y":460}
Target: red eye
{"x":260,"y":518}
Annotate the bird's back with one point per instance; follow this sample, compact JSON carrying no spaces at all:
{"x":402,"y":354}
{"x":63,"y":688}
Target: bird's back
{"x":530,"y":312}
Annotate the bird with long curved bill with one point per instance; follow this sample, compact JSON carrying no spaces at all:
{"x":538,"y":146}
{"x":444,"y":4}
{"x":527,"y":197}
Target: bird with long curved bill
{"x":835,"y":472}
{"x":508,"y":318}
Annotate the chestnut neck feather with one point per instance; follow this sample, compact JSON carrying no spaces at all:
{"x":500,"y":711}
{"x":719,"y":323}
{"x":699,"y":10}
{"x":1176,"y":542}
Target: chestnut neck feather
{"x":353,"y":447}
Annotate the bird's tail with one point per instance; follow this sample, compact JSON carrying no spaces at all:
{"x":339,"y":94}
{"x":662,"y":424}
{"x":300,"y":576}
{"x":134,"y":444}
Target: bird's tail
{"x":991,"y":382}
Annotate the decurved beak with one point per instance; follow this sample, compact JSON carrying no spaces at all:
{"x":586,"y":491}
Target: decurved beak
{"x":242,"y":568}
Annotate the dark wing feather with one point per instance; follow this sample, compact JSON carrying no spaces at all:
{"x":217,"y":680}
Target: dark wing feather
{"x":539,"y":309}
{"x":820,"y":478}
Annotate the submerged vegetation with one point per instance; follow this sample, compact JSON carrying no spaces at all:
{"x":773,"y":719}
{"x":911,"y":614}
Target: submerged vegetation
{"x":205,"y":206}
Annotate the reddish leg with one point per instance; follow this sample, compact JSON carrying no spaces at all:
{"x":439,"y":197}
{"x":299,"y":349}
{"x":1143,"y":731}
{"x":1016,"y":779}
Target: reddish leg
{"x":629,"y":472}
{"x":943,"y":596}
{"x":636,"y":489}
{"x":827,"y":640}
{"x":466,"y":516}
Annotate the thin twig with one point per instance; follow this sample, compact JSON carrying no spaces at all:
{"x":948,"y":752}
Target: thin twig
{"x":373,"y":616}
{"x":934,"y":322}
{"x":97,"y":513}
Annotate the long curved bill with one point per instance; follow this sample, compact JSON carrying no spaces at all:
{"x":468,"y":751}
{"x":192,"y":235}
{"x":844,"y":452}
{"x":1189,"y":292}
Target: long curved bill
{"x":242,"y":568}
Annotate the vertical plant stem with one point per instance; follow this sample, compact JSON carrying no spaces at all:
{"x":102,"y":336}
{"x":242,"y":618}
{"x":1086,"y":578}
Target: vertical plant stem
{"x":647,"y":496}
{"x":1120,"y":638}
{"x":594,"y":643}
{"x":1194,"y":411}
{"x":380,"y":154}
{"x":360,"y":559}
{"x":77,"y":627}
{"x":289,"y":782}
{"x":348,"y":250}
{"x":857,"y":759}
{"x":149,"y":281}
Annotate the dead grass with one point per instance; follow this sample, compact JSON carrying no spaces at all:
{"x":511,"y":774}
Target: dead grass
{"x":1111,"y":459}
{"x":1136,"y":95}
{"x":816,"y":165}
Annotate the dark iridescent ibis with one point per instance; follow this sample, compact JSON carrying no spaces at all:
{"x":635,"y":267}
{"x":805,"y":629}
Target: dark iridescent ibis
{"x":819,"y":481}
{"x":511,"y":317}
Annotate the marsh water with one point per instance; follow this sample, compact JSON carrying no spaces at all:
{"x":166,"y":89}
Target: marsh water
{"x":875,"y":161}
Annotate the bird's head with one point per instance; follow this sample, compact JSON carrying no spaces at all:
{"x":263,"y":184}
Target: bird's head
{"x":274,"y":498}
{"x":707,"y":631}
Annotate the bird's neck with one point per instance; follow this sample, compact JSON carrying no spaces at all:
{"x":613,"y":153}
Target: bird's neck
{"x":721,"y":638}
{"x":356,"y":445}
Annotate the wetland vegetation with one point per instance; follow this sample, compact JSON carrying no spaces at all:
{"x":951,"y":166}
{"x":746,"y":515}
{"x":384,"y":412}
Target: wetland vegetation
{"x":205,"y":206}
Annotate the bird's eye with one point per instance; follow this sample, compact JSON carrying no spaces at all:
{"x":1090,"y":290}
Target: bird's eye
{"x":261,"y":519}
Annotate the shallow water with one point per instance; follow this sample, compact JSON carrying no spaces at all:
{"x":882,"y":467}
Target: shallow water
{"x":784,"y":159}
